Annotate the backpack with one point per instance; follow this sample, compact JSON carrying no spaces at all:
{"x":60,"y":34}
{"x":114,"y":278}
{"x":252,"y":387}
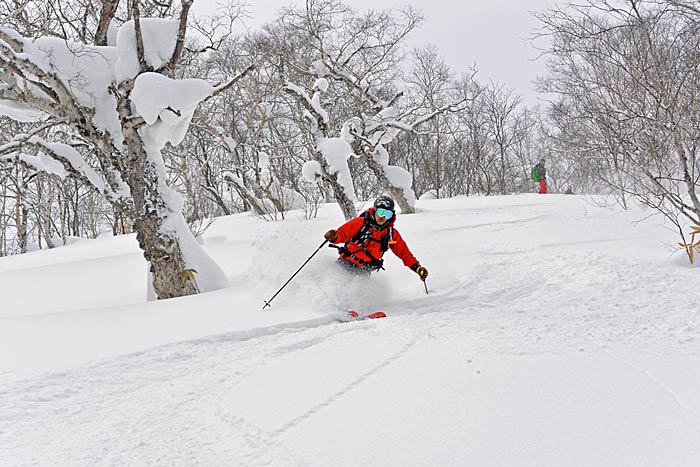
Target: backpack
{"x":533,"y":174}
{"x":364,"y":234}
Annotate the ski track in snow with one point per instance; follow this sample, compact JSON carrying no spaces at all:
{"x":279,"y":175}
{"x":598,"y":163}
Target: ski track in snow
{"x":686,"y":410}
{"x":360,"y":379}
{"x":124,"y":391}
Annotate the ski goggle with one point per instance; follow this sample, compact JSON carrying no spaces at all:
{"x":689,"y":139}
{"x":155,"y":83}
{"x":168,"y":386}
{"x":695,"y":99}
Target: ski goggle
{"x":385,"y":213}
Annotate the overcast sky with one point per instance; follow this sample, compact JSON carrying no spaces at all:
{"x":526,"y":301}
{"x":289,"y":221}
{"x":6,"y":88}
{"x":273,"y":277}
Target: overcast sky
{"x":490,"y":33}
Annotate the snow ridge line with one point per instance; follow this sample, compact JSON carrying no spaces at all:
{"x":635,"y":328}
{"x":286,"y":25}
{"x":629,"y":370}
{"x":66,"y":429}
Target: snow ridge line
{"x":6,"y":265}
{"x":524,"y":220}
{"x":290,"y":348}
{"x":435,"y":303}
{"x":248,"y":334}
{"x":125,"y":359}
{"x":348,"y":388}
{"x":677,"y":399}
{"x":435,"y":298}
{"x":238,"y":336}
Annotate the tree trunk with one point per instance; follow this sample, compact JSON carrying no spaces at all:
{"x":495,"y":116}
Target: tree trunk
{"x":160,"y":245}
{"x":346,"y":204}
{"x":3,"y":219}
{"x":165,"y":258}
{"x":247,"y":196}
{"x":341,"y":197}
{"x":687,"y":177}
{"x":438,"y":168}
{"x":21,"y":208}
{"x":395,"y":192}
{"x":193,"y":215}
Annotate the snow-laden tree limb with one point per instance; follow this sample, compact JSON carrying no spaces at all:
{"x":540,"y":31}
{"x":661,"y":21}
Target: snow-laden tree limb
{"x":371,"y":135}
{"x":330,"y":153}
{"x":218,"y":89}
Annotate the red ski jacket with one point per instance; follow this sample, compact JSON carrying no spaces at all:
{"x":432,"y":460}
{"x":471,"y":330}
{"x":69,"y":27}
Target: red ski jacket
{"x":367,"y":250}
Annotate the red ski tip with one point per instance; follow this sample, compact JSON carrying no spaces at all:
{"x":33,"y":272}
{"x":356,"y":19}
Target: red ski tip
{"x":377,"y":314}
{"x":355,"y":315}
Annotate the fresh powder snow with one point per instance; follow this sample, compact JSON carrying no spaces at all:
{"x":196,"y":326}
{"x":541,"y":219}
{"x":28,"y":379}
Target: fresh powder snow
{"x":556,"y":332}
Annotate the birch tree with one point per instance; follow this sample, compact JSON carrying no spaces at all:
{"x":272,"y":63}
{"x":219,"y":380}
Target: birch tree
{"x":330,"y":153}
{"x":120,"y":106}
{"x":630,"y":72}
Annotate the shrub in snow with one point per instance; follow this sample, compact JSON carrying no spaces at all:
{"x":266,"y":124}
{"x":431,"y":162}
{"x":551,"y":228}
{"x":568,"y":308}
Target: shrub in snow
{"x":692,"y":248}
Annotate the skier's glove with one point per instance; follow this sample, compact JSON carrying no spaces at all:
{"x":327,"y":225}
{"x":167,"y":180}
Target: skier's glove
{"x":420,"y":270}
{"x":331,"y":236}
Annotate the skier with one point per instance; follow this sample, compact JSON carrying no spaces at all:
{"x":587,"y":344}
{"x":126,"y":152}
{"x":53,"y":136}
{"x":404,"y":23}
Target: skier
{"x":539,"y":175}
{"x":368,"y":237}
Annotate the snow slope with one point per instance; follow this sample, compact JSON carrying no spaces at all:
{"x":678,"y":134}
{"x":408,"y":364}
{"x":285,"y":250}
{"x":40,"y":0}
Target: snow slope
{"x":556,"y":333}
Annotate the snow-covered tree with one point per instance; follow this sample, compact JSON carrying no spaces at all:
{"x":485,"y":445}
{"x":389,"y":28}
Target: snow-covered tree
{"x":360,"y":54}
{"x":331,"y":153}
{"x":103,"y":114}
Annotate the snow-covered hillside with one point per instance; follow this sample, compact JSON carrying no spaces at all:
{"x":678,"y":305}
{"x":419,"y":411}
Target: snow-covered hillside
{"x":555,"y":333}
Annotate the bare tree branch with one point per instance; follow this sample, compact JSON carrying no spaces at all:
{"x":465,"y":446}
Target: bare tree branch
{"x":181,"y":31}
{"x":140,"y":53}
{"x":109,"y":10}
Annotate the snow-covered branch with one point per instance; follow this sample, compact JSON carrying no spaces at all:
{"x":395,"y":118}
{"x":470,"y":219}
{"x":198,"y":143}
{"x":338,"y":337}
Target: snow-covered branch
{"x":218,"y":89}
{"x":62,"y":160}
{"x":30,"y":78}
{"x":316,"y":113}
{"x":454,"y":107}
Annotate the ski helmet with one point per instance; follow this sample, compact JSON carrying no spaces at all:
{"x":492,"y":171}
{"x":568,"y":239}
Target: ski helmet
{"x":384,"y":202}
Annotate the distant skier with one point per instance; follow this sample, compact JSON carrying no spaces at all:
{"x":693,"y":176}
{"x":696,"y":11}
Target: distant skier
{"x":369,"y":236}
{"x":539,"y":175}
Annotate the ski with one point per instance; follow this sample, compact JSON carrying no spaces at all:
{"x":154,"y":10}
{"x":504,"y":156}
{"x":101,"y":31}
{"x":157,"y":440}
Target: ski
{"x":354,"y":315}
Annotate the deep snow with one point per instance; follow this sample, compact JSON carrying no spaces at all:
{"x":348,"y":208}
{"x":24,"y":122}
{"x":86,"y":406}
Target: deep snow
{"x":556,"y":333}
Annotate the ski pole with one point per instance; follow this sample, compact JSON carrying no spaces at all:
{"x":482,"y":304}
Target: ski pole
{"x":267,"y":303}
{"x":426,"y":287}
